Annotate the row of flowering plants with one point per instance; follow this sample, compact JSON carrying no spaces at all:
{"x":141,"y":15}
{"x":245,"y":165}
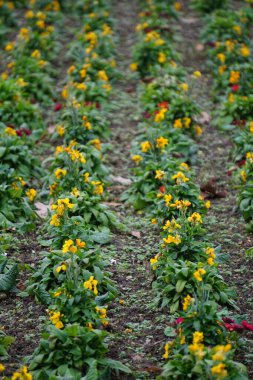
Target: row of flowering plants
{"x":71,"y":279}
{"x":202,"y":338}
{"x":227,"y":35}
{"x":26,"y":86}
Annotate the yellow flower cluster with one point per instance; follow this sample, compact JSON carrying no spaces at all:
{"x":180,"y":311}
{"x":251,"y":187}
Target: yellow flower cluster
{"x":55,"y":317}
{"x":69,"y":245}
{"x":172,"y":239}
{"x":91,"y":285}
{"x":198,"y":274}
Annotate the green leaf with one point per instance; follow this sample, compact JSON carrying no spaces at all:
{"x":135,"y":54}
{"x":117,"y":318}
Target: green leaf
{"x":8,"y":279}
{"x":180,"y":285}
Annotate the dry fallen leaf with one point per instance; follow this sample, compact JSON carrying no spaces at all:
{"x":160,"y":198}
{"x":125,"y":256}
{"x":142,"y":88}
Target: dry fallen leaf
{"x":42,"y":209}
{"x":189,"y":20}
{"x":205,"y":118}
{"x":136,"y":234}
{"x":199,"y":47}
{"x":51,"y":129}
{"x":121,"y":180}
{"x":113,"y":204}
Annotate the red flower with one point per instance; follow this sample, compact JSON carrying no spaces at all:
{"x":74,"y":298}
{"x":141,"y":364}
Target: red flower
{"x":20,"y":132}
{"x":234,"y":327}
{"x":235,"y":87}
{"x":163,"y":105}
{"x":146,"y":115}
{"x":241,"y":163}
{"x":247,"y":325}
{"x":228,"y":320}
{"x":179,"y":320}
{"x":58,"y":107}
{"x":162,"y":189}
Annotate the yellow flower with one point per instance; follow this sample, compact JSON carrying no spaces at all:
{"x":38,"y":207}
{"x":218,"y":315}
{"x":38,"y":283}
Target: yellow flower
{"x":172,"y":239}
{"x":55,"y":221}
{"x":198,"y":130}
{"x":62,"y":267}
{"x":237,"y":29}
{"x":134,"y":66}
{"x":159,"y":174}
{"x":184,"y":166}
{"x":22,"y":374}
{"x":184,"y":86}
{"x":4,"y":76}
{"x":198,"y":274}
{"x":167,"y":349}
{"x":9,"y":46}
{"x":65,"y":93}
{"x":55,"y":319}
{"x":60,"y":172}
{"x":57,"y":293}
{"x":60,"y":130}
{"x":71,"y":69}
{"x":10,"y":131}
{"x":251,"y":127}
{"x":81,"y":86}
{"x":21,"y":82}
{"x":91,"y":284}
{"x":159,"y":42}
{"x":68,"y":246}
{"x":137,"y":158}
{"x":207,"y":204}
{"x":80,"y":243}
{"x":2,"y":367}
{"x":29,"y":14}
{"x":171,"y":226}
{"x":219,"y":370}
{"x":167,"y":198}
{"x":99,"y":189}
{"x":154,"y":221}
{"x":31,"y":194}
{"x":42,"y":63}
{"x":61,"y":206}
{"x":198,"y":337}
{"x":96,"y":143}
{"x":86,"y":177}
{"x":145,"y":146}
{"x":153,"y":261}
{"x":231,"y":98}
{"x":178,"y":6}
{"x":178,"y":123}
{"x":75,"y":192}
{"x":221,"y":57}
{"x":234,"y":77}
{"x":40,"y":24}
{"x":187,"y":301}
{"x":161,"y":57}
{"x":187,"y":122}
{"x":102,"y":314}
{"x":222,"y":69}
{"x":36,"y":54}
{"x":102,"y":75}
{"x":244,"y":51}
{"x":161,"y":142}
{"x":243,"y":175}
{"x":160,"y":116}
{"x":180,"y":178}
{"x":197,"y":74}
{"x":210,"y":252}
{"x":195,"y":218}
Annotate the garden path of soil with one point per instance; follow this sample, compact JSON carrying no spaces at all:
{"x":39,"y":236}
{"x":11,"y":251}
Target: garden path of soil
{"x":137,"y":331}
